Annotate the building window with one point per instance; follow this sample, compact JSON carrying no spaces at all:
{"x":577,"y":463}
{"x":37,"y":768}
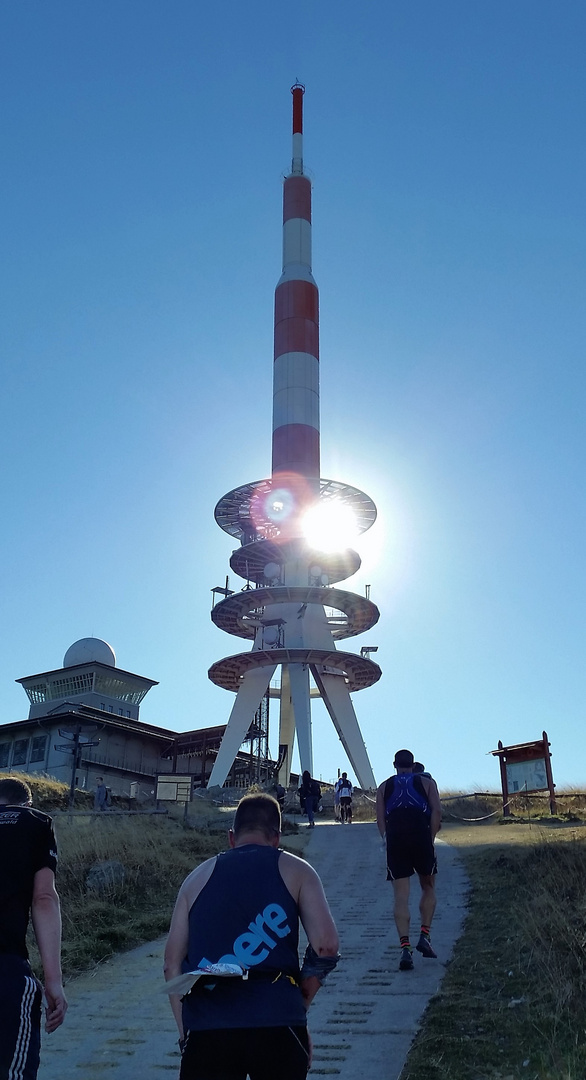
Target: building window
{"x":128,"y":713}
{"x":72,"y":684}
{"x":4,"y":754}
{"x":20,"y":752}
{"x":120,"y":712}
{"x":103,"y":705}
{"x":37,"y":694}
{"x":110,"y":708}
{"x":38,"y":748}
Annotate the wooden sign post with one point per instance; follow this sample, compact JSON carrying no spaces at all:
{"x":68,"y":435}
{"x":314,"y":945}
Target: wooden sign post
{"x":526,"y":767}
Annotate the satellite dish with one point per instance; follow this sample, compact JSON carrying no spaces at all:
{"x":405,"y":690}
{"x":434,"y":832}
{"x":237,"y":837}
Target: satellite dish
{"x":315,"y":571}
{"x":325,"y":579}
{"x":271,"y":635}
{"x":272,"y":570}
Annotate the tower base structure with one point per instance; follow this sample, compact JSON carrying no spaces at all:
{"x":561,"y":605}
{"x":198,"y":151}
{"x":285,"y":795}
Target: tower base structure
{"x":294,"y":613}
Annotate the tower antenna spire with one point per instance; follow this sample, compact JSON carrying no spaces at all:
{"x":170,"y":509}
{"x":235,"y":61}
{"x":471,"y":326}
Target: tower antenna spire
{"x":298,"y":91}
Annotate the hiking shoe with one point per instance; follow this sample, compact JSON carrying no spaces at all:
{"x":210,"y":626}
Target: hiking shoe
{"x":424,"y":947}
{"x":406,"y":961}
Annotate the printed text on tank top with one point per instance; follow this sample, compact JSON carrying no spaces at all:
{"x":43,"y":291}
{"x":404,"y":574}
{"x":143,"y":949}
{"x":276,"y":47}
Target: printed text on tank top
{"x":254,"y":945}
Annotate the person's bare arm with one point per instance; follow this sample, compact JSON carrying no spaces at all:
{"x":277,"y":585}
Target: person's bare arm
{"x":176,"y":951}
{"x":434,"y":805}
{"x":46,"y":919}
{"x":305,"y":886}
{"x":380,"y":810}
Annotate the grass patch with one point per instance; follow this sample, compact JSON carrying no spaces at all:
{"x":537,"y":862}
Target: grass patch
{"x":50,"y":794}
{"x":156,"y":852}
{"x":513,"y":1000}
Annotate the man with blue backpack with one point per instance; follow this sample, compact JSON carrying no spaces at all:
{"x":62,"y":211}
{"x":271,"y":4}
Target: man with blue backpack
{"x":408,"y":814}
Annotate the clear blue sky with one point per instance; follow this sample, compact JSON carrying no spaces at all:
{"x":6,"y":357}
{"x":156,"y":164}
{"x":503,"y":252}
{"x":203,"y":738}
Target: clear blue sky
{"x":143,"y":145}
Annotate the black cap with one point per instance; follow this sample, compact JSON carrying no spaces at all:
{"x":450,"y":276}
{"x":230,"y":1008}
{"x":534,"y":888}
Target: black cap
{"x":403,"y":759}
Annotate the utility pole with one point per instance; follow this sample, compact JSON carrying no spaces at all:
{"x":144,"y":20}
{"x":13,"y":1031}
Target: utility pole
{"x":74,"y":746}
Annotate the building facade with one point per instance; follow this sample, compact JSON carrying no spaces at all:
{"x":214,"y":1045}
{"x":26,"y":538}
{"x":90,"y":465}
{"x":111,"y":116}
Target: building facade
{"x":86,"y":715}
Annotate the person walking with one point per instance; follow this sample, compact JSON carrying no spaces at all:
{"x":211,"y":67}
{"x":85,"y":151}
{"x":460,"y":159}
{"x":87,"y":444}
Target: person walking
{"x":337,"y":814}
{"x":28,"y":856}
{"x":243,"y":907}
{"x":408,"y":814}
{"x":309,"y":794}
{"x":101,"y":795}
{"x":345,"y":799}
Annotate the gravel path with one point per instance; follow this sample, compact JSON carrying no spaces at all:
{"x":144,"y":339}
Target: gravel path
{"x":362,"y":1023}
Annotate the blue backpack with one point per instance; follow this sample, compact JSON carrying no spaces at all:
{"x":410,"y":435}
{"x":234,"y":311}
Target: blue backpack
{"x":405,"y":792}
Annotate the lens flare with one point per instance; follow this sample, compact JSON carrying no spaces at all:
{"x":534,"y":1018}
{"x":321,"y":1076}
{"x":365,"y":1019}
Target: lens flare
{"x":330,"y":526}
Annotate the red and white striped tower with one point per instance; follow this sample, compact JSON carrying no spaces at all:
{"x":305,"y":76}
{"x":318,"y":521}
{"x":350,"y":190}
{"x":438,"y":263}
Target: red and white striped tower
{"x":296,"y":356}
{"x":294,"y":614}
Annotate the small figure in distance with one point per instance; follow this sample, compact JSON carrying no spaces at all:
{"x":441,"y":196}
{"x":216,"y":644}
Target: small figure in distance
{"x":101,"y":795}
{"x":243,"y":907}
{"x":28,"y":856}
{"x":310,"y":795}
{"x":408,"y":814}
{"x":345,"y":799}
{"x":337,"y":814}
{"x":280,"y":795}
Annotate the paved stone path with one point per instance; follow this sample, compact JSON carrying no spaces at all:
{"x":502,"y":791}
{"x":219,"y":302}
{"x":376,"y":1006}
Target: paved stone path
{"x":362,"y":1022}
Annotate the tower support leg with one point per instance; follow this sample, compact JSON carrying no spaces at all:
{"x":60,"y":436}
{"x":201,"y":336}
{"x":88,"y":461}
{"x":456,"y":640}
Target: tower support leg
{"x":250,"y":694}
{"x":299,"y":678}
{"x":286,"y":728}
{"x":338,"y":702}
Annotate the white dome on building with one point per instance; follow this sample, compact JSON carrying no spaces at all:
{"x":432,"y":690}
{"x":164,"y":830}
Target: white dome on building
{"x":89,"y":649}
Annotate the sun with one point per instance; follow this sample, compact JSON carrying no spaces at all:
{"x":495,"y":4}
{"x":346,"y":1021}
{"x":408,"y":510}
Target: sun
{"x":330,"y":525}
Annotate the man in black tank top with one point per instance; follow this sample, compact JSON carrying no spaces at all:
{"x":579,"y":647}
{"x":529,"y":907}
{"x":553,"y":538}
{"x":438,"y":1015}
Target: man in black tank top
{"x":243,"y":908}
{"x":408,"y":814}
{"x":28,"y":859}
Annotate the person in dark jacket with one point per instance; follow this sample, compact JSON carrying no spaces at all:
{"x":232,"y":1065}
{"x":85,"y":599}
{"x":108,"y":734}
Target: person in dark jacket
{"x":28,"y":857}
{"x":309,"y":794}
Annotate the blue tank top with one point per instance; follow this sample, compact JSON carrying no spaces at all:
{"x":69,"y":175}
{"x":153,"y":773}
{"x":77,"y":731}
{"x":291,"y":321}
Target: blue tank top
{"x":245,"y":915}
{"x":405,"y":794}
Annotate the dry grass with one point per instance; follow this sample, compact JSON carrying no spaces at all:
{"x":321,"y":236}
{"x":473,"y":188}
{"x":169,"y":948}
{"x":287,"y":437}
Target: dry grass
{"x":461,"y":806}
{"x":156,"y":853}
{"x":50,"y":794}
{"x":513,"y":1001}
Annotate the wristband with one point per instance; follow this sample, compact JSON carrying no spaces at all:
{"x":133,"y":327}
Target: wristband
{"x":318,"y":966}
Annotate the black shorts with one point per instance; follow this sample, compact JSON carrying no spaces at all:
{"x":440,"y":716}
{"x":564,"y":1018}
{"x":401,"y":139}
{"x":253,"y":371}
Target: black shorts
{"x":20,"y":1019}
{"x":408,"y":855}
{"x":235,"y":1053}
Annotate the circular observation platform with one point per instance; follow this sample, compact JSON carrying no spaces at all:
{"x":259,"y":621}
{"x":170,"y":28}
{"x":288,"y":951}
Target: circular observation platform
{"x":358,"y":671}
{"x":244,"y":513}
{"x":249,"y":561}
{"x":241,"y":613}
